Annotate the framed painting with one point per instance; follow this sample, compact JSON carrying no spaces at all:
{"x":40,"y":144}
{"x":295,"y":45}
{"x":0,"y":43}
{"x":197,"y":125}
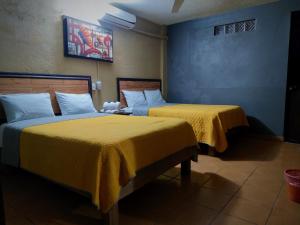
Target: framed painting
{"x":86,"y":40}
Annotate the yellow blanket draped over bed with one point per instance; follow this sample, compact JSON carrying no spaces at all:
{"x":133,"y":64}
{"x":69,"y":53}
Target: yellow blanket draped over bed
{"x":210,"y":122}
{"x":99,"y":155}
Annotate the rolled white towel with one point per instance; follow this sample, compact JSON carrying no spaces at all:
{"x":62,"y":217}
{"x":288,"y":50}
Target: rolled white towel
{"x":117,"y":105}
{"x":111,"y":106}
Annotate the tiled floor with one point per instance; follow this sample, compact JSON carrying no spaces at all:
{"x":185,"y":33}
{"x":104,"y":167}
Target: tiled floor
{"x":242,"y":187}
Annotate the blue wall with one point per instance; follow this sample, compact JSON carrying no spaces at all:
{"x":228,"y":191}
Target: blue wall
{"x":247,"y":69}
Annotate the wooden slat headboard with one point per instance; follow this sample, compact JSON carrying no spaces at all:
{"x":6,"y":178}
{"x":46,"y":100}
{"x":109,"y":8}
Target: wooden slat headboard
{"x":11,"y":83}
{"x":135,"y":84}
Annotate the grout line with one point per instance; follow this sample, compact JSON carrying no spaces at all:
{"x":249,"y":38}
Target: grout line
{"x":243,"y":219}
{"x":274,"y":203}
{"x":233,"y":195}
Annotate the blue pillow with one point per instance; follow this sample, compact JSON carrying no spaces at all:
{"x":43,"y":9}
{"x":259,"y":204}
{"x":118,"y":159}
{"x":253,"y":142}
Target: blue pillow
{"x":26,"y":106}
{"x":134,"y":98}
{"x":153,"y":97}
{"x":70,"y":104}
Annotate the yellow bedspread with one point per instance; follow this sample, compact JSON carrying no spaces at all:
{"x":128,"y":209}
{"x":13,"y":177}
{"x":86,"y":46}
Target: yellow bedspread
{"x":99,"y":155}
{"x":210,"y":122}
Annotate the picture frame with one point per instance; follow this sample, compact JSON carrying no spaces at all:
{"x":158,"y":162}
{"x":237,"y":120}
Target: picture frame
{"x":86,"y":40}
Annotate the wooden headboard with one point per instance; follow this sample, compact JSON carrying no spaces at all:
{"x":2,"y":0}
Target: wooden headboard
{"x":41,"y":83}
{"x":135,"y":84}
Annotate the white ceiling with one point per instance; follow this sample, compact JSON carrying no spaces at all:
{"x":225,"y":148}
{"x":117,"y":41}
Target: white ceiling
{"x":159,"y":11}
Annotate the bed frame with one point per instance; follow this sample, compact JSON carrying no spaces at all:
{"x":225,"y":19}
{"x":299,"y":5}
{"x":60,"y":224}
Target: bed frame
{"x":34,"y":83}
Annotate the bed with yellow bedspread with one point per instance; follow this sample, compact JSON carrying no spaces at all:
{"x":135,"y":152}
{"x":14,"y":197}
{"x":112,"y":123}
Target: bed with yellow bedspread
{"x":100,"y":155}
{"x":210,"y":122}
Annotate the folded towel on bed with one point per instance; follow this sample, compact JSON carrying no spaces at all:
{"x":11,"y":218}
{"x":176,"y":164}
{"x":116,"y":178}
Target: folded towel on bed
{"x":111,"y":106}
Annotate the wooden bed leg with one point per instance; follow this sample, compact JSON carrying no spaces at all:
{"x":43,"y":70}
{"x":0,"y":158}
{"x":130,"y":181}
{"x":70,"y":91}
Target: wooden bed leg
{"x":112,"y":217}
{"x":186,"y":167}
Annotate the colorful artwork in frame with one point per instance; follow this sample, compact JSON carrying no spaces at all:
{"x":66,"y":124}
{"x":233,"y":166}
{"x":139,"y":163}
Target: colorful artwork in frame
{"x":86,"y":40}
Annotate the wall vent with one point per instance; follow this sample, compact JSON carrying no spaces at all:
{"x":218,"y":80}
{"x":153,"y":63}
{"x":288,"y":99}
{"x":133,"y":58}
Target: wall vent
{"x":242,"y":26}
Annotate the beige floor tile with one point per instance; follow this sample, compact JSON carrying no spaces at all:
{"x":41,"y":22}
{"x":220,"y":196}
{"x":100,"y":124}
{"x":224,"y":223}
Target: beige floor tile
{"x":259,"y":194}
{"x":155,"y":203}
{"x":209,"y":159}
{"x":234,"y":175}
{"x":196,"y":179}
{"x":247,"y":210}
{"x":282,"y":217}
{"x":246,"y":167}
{"x":269,"y":171}
{"x":222,"y":184}
{"x":269,"y":182}
{"x":205,"y":167}
{"x":165,"y":212}
{"x":152,"y":196}
{"x":195,"y":214}
{"x":230,"y":220}
{"x":174,"y":172}
{"x":210,"y":198}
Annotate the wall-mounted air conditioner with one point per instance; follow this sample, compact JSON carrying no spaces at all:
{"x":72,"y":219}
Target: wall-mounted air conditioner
{"x":117,"y":17}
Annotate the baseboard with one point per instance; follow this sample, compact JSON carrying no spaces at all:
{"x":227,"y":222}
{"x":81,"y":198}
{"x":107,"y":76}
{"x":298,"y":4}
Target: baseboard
{"x":267,"y":137}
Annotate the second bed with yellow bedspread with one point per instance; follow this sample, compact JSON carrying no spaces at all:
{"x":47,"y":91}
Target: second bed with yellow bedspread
{"x":210,"y":122}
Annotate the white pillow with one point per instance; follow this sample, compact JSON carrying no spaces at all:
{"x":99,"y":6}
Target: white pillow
{"x":70,"y":104}
{"x":26,"y":106}
{"x":153,"y":97}
{"x":134,"y":98}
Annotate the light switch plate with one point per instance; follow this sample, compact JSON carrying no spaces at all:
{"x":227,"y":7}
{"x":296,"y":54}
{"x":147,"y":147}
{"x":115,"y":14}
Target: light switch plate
{"x":94,"y":86}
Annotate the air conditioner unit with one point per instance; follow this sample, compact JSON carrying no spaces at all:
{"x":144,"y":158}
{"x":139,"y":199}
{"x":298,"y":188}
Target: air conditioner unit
{"x":117,"y":17}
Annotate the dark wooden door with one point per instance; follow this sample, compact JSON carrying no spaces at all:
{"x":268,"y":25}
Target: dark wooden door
{"x":292,"y":115}
{"x":2,"y":219}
